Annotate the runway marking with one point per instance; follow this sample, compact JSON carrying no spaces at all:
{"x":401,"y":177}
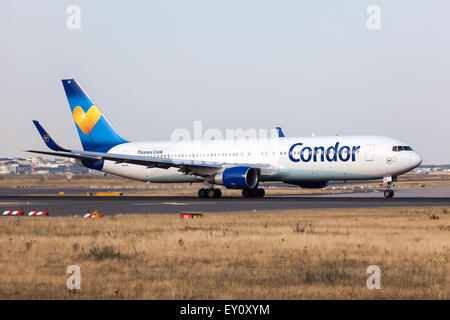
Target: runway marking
{"x":12,"y":203}
{"x":200,"y":202}
{"x":175,"y":203}
{"x":171,"y":203}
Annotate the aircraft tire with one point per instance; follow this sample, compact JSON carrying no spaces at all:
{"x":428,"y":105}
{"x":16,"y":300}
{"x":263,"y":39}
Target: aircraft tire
{"x":260,"y":193}
{"x":388,"y":194}
{"x":253,"y":193}
{"x":202,"y":193}
{"x":210,"y":192}
{"x":217,"y":193}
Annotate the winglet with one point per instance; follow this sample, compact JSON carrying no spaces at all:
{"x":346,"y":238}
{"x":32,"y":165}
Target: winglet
{"x":280,"y":133}
{"x":47,"y":139}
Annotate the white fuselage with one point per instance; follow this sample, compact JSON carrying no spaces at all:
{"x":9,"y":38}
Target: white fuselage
{"x":290,"y":159}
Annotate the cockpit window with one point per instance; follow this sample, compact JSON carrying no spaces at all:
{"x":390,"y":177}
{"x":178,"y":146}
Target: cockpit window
{"x":401,"y":148}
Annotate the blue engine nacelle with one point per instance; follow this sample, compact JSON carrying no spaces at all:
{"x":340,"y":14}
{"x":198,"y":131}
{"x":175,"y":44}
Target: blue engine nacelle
{"x":236,"y":178}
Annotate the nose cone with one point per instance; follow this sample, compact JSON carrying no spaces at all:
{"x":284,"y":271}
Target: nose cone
{"x":415,"y":160}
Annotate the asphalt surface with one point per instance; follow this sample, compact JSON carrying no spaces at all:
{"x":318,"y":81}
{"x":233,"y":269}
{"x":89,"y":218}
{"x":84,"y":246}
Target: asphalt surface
{"x":70,"y":204}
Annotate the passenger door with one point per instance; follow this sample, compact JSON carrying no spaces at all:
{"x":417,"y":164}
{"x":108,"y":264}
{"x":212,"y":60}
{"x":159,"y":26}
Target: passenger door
{"x":369,"y":152}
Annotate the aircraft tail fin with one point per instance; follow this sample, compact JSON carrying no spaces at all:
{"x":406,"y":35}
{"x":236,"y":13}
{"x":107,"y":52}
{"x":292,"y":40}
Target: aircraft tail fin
{"x":280,"y":133}
{"x":95,"y":131}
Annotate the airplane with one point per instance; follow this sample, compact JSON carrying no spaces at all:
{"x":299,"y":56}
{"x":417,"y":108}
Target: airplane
{"x":308,"y":162}
{"x":429,"y":170}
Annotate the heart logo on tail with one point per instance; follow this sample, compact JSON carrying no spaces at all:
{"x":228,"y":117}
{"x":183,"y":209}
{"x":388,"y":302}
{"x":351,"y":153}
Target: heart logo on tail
{"x":86,"y":120}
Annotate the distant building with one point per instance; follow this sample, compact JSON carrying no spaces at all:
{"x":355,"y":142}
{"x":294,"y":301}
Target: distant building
{"x":39,"y":165}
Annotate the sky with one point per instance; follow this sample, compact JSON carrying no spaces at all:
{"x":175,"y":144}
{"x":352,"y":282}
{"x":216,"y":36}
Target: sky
{"x":156,"y":66}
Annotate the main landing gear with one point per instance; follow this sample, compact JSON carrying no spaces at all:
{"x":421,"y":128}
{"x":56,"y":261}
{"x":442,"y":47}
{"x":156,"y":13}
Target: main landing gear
{"x":253,"y":193}
{"x":209,"y":193}
{"x":216,"y":193}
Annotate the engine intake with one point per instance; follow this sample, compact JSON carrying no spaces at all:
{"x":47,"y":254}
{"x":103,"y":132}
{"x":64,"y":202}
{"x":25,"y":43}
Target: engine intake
{"x":236,"y":178}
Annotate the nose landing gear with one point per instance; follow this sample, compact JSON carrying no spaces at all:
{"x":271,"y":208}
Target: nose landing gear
{"x":388,"y":193}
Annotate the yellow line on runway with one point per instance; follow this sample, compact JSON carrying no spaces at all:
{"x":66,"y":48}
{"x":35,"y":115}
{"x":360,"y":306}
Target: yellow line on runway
{"x":170,"y":203}
{"x":175,"y":203}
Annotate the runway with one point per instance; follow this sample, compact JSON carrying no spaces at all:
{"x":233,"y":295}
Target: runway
{"x":70,"y":205}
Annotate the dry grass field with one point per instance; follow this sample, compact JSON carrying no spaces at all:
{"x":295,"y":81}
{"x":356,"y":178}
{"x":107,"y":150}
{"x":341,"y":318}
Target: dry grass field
{"x":320,"y":254}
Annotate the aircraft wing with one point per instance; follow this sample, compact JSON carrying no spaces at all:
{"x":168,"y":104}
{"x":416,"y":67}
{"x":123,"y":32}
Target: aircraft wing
{"x":194,"y":167}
